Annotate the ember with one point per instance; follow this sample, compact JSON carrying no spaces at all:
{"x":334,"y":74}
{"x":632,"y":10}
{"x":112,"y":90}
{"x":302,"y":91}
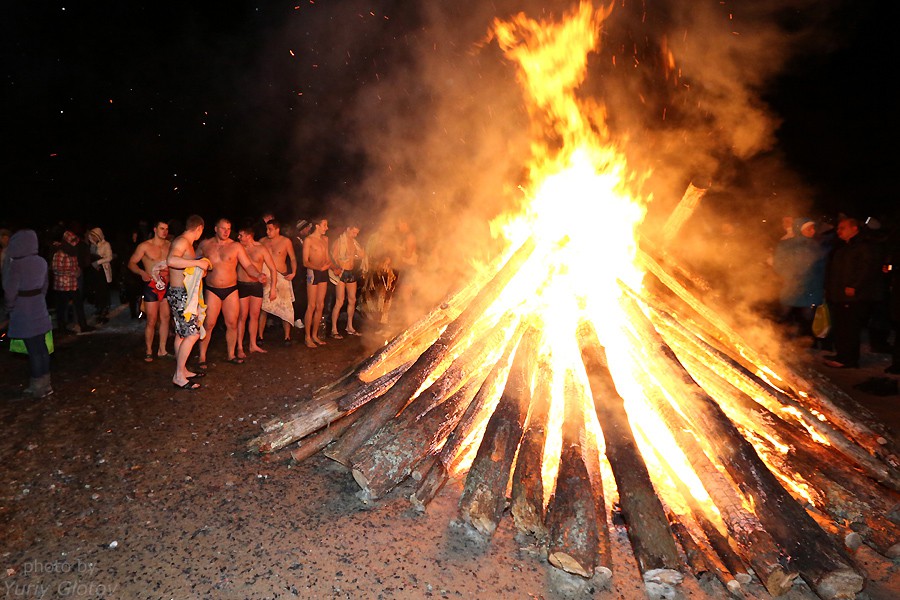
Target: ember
{"x":581,"y":374}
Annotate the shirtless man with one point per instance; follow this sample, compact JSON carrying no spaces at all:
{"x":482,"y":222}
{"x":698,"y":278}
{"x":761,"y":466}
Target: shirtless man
{"x":221,"y":290}
{"x":346,"y":253}
{"x":316,"y":260}
{"x":187,"y":331}
{"x":147,"y":255}
{"x":250,"y":291}
{"x":281,"y":249}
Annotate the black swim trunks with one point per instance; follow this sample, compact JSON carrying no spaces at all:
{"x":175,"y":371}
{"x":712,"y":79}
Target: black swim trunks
{"x":222,"y":293}
{"x":151,"y":293}
{"x":314,"y":276}
{"x":249,"y":289}
{"x":349,"y":276}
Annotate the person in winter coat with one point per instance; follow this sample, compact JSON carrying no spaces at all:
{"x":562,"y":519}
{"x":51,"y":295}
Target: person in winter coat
{"x":101,"y":272}
{"x":25,"y":286}
{"x":800,"y":262}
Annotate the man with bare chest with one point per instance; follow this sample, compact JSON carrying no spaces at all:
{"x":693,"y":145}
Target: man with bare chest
{"x":149,"y":254}
{"x":221,"y":286}
{"x":281,"y":250}
{"x":316,"y":259}
{"x":250,"y":291}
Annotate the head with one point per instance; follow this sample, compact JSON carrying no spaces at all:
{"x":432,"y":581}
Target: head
{"x":320,"y":225}
{"x":223,"y":229}
{"x":352,"y":231}
{"x":808,"y":228}
{"x":303,"y":227}
{"x":95,"y":235}
{"x":70,"y":238}
{"x":193,"y":227}
{"x":161,"y":230}
{"x":273,"y":228}
{"x":4,"y":238}
{"x":246,"y":236}
{"x":23,"y":243}
{"x":847,"y":228}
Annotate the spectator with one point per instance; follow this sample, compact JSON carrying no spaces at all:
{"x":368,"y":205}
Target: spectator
{"x":26,"y":280}
{"x":101,"y":273}
{"x":66,"y":281}
{"x":850,"y":288}
{"x":301,"y":230}
{"x":800,"y":263}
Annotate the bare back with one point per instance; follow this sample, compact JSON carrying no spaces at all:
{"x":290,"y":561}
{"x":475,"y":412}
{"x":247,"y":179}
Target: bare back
{"x":180,"y":248}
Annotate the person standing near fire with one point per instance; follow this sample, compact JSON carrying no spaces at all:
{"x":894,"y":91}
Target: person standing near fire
{"x":850,"y":288}
{"x":317,"y":262}
{"x":282,"y":251}
{"x":221,"y":293}
{"x":149,"y":263}
{"x":184,"y":304}
{"x":347,"y":255}
{"x":799,"y":261}
{"x":250,"y":291}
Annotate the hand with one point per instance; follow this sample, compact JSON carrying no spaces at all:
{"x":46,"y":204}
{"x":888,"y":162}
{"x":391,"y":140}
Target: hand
{"x":290,"y":276}
{"x":272,"y":295}
{"x":262,"y":278}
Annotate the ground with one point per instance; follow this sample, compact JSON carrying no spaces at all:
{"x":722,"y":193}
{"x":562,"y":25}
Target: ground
{"x":121,"y":486}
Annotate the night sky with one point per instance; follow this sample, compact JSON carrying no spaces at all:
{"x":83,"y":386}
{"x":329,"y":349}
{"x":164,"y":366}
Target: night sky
{"x":116,"y":111}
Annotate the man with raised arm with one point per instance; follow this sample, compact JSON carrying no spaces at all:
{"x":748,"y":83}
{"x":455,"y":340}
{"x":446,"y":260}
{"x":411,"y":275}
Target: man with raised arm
{"x":250,"y":291}
{"x":149,"y":254}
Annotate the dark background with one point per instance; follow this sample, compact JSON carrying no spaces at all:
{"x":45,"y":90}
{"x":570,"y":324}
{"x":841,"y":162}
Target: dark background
{"x":115,"y":112}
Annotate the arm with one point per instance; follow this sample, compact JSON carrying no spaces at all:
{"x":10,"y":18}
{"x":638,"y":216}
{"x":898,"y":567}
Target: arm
{"x":135,"y":261}
{"x":106,"y":254}
{"x":306,"y":246}
{"x":176,"y":259}
{"x":270,"y":262}
{"x":293,"y":257}
{"x":245,"y":262}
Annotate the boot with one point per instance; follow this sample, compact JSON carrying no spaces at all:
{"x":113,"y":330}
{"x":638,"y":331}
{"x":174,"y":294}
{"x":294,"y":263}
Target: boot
{"x":43,"y":388}
{"x":33,"y":385}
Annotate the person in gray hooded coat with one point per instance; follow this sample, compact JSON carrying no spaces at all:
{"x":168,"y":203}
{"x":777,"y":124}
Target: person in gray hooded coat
{"x":25,"y":287}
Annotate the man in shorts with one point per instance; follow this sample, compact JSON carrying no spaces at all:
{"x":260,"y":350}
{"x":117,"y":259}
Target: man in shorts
{"x":316,"y":260}
{"x":187,"y":328}
{"x":250,"y":291}
{"x":282,"y":251}
{"x":221,"y":290}
{"x":149,"y":263}
{"x":346,"y":254}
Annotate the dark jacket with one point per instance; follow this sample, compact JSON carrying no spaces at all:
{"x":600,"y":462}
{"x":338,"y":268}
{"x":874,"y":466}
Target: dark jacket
{"x":800,"y":262}
{"x":854,"y":264}
{"x":25,"y":286}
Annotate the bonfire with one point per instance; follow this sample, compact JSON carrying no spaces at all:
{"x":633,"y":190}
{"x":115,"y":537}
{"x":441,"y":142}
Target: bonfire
{"x":582,"y":379}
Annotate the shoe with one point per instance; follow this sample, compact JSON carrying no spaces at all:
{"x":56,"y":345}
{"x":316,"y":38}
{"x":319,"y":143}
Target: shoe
{"x":197,"y":375}
{"x":893,"y":370}
{"x":286,"y":342}
{"x":202,"y":366}
{"x":353,"y":332}
{"x":236,"y":361}
{"x":148,"y":358}
{"x":298,"y":323}
{"x":834,"y":364}
{"x":337,"y":336}
{"x":190,"y":386}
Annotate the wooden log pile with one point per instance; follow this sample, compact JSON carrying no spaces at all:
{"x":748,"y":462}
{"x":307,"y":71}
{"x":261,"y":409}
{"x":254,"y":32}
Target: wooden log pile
{"x":772,"y":476}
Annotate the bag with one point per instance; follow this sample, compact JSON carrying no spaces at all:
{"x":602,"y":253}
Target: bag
{"x":17,"y":345}
{"x":821,"y":324}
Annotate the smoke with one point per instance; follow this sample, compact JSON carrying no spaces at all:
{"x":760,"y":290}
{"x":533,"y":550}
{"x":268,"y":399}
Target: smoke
{"x":421,"y":121}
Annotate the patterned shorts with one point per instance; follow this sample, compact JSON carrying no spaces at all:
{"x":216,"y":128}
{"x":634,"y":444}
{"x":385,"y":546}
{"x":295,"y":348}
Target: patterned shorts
{"x":177,"y":297}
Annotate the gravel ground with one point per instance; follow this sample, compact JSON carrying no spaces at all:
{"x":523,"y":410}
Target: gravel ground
{"x":120,"y":486}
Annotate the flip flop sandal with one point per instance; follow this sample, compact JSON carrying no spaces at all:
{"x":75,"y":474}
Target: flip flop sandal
{"x":236,"y":361}
{"x":148,"y":358}
{"x":202,"y":366}
{"x":189,"y":386}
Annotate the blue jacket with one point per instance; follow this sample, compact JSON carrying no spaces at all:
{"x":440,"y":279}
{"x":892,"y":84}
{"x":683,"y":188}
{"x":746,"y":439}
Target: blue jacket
{"x":25,"y":286}
{"x":800,"y":262}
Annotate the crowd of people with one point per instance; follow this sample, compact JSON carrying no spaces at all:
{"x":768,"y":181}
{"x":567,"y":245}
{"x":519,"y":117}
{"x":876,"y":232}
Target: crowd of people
{"x":847,"y":269}
{"x":185,"y":283}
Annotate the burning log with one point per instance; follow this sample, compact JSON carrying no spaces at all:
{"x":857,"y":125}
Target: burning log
{"x":527,"y":504}
{"x":648,"y":528}
{"x":321,"y":411}
{"x":682,"y":212}
{"x":578,"y":539}
{"x":702,"y":561}
{"x":403,"y":390}
{"x":824,"y":566}
{"x":484,"y":494}
{"x":439,"y":471}
{"x":315,"y":442}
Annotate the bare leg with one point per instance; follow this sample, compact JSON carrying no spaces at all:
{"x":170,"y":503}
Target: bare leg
{"x":254,"y":306}
{"x":338,"y":303}
{"x":231,"y":308}
{"x":262,"y":325}
{"x":310,"y":312}
{"x":151,"y":309}
{"x":213,"y":308}
{"x":321,"y":290}
{"x":165,"y":319}
{"x":244,"y":304}
{"x":351,"y":306}
{"x":287,"y":325}
{"x":183,"y":347}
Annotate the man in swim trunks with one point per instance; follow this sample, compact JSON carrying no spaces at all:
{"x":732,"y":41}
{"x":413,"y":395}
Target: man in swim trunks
{"x":316,"y":260}
{"x":221,"y":286}
{"x":147,"y":255}
{"x":282,"y":251}
{"x":187,"y":331}
{"x":250,"y":291}
{"x":346,"y":253}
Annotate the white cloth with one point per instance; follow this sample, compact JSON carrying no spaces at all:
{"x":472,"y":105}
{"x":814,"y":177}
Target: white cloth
{"x":283,"y":305}
{"x":193,"y":285}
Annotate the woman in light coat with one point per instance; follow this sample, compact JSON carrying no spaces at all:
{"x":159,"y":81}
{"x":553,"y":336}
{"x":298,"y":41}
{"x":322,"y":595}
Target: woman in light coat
{"x":101,"y":261}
